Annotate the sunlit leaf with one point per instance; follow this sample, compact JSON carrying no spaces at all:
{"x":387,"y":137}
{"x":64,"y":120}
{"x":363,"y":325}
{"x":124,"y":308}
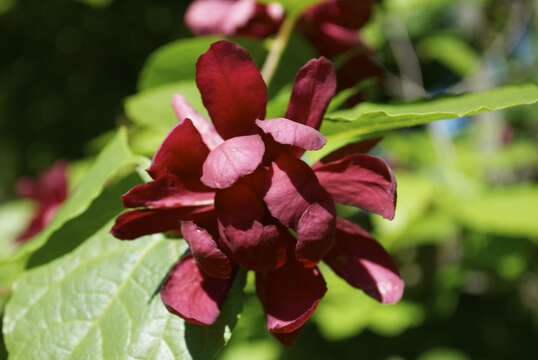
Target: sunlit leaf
{"x":511,"y":211}
{"x":153,"y":108}
{"x":102,"y":302}
{"x":367,"y":118}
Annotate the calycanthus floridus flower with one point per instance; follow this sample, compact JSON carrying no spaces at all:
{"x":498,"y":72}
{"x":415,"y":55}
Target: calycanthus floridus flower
{"x":236,"y":186}
{"x":48,"y":191}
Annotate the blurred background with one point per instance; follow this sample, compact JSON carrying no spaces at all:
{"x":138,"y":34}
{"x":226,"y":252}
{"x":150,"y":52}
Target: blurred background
{"x":466,"y":228}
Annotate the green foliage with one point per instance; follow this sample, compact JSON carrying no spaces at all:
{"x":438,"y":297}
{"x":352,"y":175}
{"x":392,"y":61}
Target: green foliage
{"x":511,"y":211}
{"x":153,"y":108}
{"x":346,"y":126}
{"x":443,"y":47}
{"x":101,"y":301}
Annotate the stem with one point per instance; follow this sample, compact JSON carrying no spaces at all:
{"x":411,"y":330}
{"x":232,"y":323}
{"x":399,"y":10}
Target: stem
{"x":277,"y":48}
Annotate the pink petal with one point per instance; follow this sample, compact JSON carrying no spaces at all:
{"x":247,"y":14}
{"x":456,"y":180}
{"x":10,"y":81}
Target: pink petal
{"x":232,"y":89}
{"x":225,"y":17}
{"x":289,"y":296}
{"x":313,"y":89}
{"x":289,"y":132}
{"x":297,"y":200}
{"x":362,"y":146}
{"x":253,"y":242}
{"x":360,"y":180}
{"x":206,"y":129}
{"x":182,"y":153}
{"x":165,"y":192}
{"x":363,"y":263}
{"x":205,"y":250}
{"x":232,"y":160}
{"x":220,"y":17}
{"x":136,"y":223}
{"x":193,"y":295}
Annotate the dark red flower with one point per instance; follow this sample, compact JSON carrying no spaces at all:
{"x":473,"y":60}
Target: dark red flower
{"x":235,"y":189}
{"x":49,"y":191}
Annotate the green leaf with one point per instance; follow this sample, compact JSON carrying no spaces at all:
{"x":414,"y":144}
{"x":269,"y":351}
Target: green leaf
{"x":115,"y":156}
{"x":511,"y":211}
{"x":176,"y":61}
{"x":14,"y":217}
{"x":102,"y":302}
{"x":443,"y":47}
{"x":362,"y":121}
{"x":153,"y":108}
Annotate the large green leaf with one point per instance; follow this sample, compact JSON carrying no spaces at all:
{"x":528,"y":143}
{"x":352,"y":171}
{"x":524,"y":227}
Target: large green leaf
{"x":114,"y":157}
{"x":102,"y":302}
{"x":176,"y":61}
{"x":362,"y":121}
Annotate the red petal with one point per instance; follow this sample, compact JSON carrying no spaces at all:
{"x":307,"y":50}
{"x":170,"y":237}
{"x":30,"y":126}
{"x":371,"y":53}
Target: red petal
{"x":232,"y":89}
{"x":313,"y":89}
{"x":332,"y":40}
{"x":182,"y":153}
{"x":136,"y":223}
{"x":165,"y":192}
{"x":205,"y":250}
{"x":363,"y":263}
{"x":363,"y":146}
{"x":206,"y":129}
{"x":289,"y":338}
{"x":49,"y":189}
{"x":360,"y":180}
{"x":315,"y":232}
{"x":265,"y":22}
{"x":347,"y":13}
{"x":297,"y":200}
{"x":289,"y":296}
{"x":253,"y":242}
{"x":192,"y":295}
{"x":289,"y":132}
{"x":232,"y":160}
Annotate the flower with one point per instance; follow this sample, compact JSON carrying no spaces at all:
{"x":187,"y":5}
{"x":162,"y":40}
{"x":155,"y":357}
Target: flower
{"x":330,"y":26}
{"x":234,"y":17}
{"x":236,"y":186}
{"x":49,"y":191}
